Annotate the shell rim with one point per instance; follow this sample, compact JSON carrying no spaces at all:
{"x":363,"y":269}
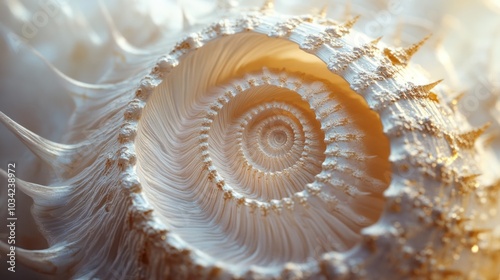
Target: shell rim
{"x":148,"y":223}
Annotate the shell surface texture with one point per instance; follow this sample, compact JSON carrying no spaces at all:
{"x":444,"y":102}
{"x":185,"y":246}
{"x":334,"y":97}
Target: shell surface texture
{"x":228,"y":140}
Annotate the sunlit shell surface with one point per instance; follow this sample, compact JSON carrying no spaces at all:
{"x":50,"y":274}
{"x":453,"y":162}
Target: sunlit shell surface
{"x":200,"y":140}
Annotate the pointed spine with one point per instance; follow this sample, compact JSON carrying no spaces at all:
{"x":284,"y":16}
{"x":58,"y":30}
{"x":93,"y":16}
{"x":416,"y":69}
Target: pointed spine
{"x":413,"y":49}
{"x":322,"y":13}
{"x":350,"y":23}
{"x":57,"y":259}
{"x":468,"y":139}
{"x":375,"y":42}
{"x":431,"y":95}
{"x":402,"y":56}
{"x":54,"y":154}
{"x":42,"y":195}
{"x":426,"y":89}
{"x":268,"y":6}
{"x":429,"y":87}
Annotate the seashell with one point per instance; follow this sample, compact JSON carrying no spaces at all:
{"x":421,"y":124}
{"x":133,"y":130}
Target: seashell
{"x":264,"y":145}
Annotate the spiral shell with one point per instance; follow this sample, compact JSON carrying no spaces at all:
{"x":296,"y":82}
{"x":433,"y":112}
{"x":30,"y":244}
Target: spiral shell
{"x":306,"y":150}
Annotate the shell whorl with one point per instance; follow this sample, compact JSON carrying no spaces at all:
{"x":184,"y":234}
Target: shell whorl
{"x":253,"y":157}
{"x":306,"y":150}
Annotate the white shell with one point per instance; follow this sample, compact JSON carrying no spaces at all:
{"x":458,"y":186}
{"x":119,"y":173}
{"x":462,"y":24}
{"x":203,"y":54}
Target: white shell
{"x":148,"y":186}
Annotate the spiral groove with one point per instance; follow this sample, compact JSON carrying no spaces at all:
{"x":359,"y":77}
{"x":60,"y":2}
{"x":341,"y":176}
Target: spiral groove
{"x":270,"y":149}
{"x":246,"y":162}
{"x":265,"y":154}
